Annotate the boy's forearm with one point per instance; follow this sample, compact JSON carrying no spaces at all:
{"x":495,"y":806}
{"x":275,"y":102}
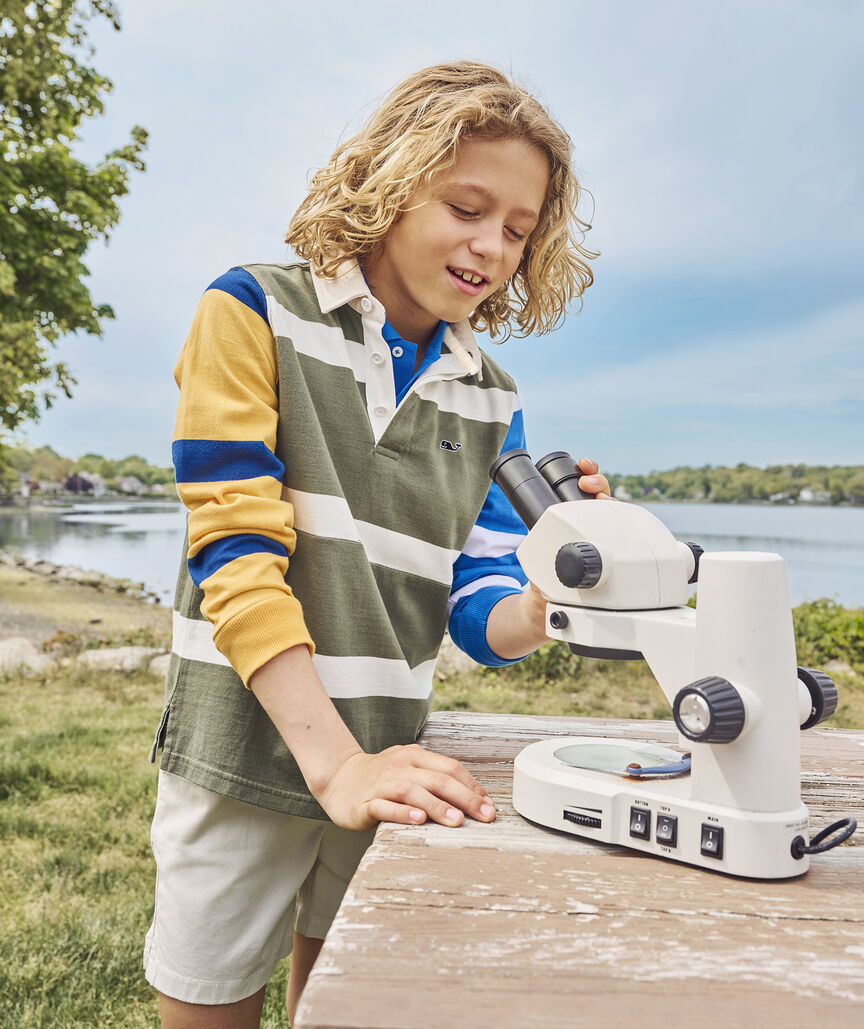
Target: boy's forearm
{"x":291,"y":693}
{"x":517,"y":624}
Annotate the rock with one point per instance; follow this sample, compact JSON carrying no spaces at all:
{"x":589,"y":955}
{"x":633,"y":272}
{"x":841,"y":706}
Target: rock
{"x":119,"y":659}
{"x":20,"y":655}
{"x":159,"y":665}
{"x":452,"y":660}
{"x":835,"y":666}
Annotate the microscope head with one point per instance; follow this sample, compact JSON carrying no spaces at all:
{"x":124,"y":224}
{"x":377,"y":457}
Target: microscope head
{"x":603,"y":555}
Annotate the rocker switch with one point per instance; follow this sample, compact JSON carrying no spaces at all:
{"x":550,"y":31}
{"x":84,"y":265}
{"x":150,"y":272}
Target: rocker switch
{"x":712,"y":840}
{"x":640,"y":823}
{"x":667,"y":830}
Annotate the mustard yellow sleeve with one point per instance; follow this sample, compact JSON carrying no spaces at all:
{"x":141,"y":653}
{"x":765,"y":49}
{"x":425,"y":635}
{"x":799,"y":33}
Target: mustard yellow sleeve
{"x":241,"y":533}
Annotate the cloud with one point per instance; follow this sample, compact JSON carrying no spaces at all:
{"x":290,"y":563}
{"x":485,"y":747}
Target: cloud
{"x":720,"y":143}
{"x":813,"y":364}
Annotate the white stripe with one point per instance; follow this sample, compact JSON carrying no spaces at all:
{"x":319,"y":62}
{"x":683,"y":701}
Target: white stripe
{"x":324,"y":342}
{"x":479,"y":405}
{"x":484,"y":542}
{"x":320,"y":515}
{"x":347,"y":677}
{"x":343,"y":677}
{"x":194,"y":640}
{"x":478,"y":584}
{"x":407,"y":554}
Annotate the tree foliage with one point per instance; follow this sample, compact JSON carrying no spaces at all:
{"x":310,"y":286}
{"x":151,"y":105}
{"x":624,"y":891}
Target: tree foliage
{"x":45,"y":464}
{"x":744,"y":484}
{"x":52,"y":205}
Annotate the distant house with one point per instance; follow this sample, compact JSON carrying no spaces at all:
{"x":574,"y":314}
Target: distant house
{"x":99,"y":487}
{"x":814,"y":496}
{"x":48,"y":488}
{"x":130,"y":484}
{"x":621,"y":493}
{"x":77,"y":484}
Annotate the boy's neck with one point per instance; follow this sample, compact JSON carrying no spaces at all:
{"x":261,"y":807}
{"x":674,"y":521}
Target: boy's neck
{"x":414,"y":325}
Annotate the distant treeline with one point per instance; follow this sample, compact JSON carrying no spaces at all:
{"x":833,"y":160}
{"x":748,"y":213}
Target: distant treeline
{"x":43,"y":465}
{"x":744,"y":484}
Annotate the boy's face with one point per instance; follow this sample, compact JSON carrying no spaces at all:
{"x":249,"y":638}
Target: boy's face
{"x":470,"y":222}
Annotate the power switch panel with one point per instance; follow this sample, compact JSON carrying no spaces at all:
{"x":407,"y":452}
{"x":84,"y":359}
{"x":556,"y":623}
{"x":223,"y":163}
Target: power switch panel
{"x":640,"y":823}
{"x":667,"y":830}
{"x":712,"y":841}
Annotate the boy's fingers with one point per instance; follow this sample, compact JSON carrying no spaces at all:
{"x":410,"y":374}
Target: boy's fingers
{"x":429,"y":759}
{"x":588,"y":466}
{"x":455,"y":795}
{"x":594,"y":484}
{"x":412,"y":795}
{"x":381,"y":810}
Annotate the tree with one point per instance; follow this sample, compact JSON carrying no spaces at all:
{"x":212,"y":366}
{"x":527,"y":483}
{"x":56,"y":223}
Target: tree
{"x":52,"y":205}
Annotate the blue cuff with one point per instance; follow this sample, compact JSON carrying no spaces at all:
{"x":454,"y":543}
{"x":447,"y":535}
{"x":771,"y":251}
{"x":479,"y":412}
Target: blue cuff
{"x":468,"y":625}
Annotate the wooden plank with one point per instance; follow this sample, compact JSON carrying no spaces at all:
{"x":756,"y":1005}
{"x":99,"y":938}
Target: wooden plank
{"x":512,"y":925}
{"x":430,"y":937}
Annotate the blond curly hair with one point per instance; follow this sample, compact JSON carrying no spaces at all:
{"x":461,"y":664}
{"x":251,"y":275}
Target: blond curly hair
{"x":354,"y":199}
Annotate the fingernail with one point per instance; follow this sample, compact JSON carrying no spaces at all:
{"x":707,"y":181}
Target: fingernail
{"x":487,"y":811}
{"x":453,"y":815}
{"x":416,"y":816}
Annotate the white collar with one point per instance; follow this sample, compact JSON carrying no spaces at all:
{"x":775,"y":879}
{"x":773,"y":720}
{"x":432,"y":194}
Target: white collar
{"x":350,"y":287}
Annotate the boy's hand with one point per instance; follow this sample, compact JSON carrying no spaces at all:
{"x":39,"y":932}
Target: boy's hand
{"x":591,"y":482}
{"x":403,"y":784}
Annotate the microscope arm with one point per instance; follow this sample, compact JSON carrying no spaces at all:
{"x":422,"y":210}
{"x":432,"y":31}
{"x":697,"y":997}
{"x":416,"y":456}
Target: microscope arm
{"x":665,"y":638}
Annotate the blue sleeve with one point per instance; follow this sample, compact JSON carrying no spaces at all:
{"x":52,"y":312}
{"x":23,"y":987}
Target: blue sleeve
{"x":487,"y":569}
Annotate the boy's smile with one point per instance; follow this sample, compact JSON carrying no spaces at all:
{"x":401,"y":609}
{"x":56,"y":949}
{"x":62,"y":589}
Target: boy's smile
{"x":461,"y":237}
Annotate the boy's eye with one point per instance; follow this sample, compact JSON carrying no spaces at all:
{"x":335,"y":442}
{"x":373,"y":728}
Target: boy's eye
{"x":462,"y":212}
{"x":519,"y":237}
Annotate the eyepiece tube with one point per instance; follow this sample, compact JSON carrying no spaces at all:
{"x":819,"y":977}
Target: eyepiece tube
{"x":562,"y":473}
{"x":524,"y":487}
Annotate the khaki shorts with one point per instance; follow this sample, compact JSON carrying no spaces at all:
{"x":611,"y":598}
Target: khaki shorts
{"x":232,"y":883}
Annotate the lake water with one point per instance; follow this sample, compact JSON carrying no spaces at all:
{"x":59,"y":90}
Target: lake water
{"x":823,"y":547}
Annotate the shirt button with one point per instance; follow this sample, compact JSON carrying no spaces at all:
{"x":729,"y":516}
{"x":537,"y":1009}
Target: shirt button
{"x":380,"y":411}
{"x":377,"y":358}
{"x":398,"y":351}
{"x":366,"y":304}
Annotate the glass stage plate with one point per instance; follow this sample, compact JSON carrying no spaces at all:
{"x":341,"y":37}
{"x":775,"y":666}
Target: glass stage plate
{"x":629,"y":760}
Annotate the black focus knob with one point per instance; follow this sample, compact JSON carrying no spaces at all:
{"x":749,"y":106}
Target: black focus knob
{"x":823,"y":695}
{"x":697,"y":552}
{"x":709,"y":710}
{"x":579,"y":565}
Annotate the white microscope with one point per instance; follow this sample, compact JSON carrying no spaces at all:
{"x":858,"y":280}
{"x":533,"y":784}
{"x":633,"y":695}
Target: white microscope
{"x":615,"y":581}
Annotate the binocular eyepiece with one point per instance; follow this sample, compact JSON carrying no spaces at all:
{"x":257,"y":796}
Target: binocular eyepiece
{"x":532,"y":488}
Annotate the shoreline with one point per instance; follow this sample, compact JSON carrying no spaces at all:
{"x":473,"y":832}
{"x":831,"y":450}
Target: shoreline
{"x":80,"y":576}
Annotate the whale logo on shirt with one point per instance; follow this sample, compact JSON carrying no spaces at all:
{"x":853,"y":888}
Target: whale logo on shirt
{"x":447,"y":445}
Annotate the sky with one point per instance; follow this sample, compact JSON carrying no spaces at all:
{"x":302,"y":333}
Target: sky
{"x":721,"y":152}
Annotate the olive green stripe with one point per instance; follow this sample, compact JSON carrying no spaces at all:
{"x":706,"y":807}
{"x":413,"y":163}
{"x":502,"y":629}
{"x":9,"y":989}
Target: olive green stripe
{"x":208,"y":743}
{"x":339,"y":570}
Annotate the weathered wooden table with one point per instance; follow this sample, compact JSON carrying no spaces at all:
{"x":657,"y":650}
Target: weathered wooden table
{"x":511,"y":925}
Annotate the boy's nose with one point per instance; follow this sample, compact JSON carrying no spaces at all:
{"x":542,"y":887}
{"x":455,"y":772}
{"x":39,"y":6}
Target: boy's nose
{"x":487,"y":243}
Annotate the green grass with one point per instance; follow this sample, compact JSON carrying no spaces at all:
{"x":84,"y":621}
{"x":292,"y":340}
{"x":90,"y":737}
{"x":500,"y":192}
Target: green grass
{"x":77,"y":796}
{"x":76,"y":799}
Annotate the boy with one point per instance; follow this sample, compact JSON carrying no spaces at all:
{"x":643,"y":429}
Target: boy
{"x":342,"y":406}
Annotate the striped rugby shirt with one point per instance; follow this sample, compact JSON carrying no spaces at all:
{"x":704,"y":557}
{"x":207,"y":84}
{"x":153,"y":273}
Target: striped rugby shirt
{"x":289,"y":435}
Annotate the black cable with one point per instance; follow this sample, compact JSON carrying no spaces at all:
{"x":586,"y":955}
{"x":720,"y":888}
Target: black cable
{"x":818,"y":844}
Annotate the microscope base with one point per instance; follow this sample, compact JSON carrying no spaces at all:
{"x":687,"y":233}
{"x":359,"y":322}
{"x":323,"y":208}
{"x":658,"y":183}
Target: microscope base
{"x":656,"y":816}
